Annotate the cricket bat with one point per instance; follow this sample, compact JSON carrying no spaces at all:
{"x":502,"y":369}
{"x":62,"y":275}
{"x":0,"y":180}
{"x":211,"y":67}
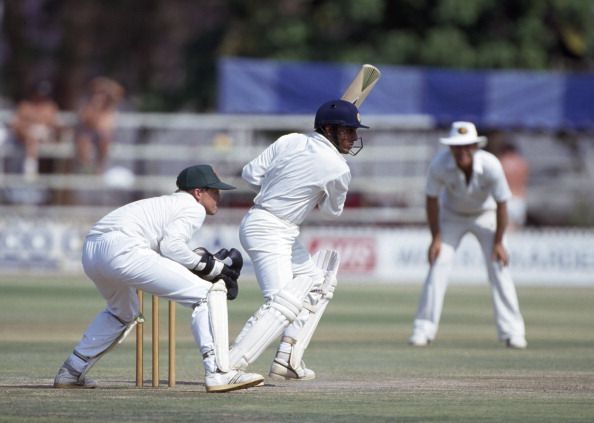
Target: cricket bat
{"x":362,"y":85}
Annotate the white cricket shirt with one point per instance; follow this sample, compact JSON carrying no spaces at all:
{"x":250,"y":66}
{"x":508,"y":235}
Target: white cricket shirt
{"x":486,"y":187}
{"x":297,"y":173}
{"x":165,"y":224}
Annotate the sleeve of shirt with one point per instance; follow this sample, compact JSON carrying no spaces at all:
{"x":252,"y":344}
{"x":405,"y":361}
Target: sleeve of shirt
{"x":500,"y":190}
{"x":254,"y":171}
{"x":335,"y":191}
{"x":179,"y":232}
{"x":434,"y":182}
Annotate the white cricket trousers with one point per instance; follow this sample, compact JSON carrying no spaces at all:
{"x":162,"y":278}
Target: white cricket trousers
{"x":118,"y":265}
{"x":277,"y":255}
{"x":453,"y":227}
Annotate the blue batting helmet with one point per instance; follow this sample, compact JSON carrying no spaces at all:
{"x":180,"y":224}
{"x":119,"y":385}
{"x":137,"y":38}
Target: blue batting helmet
{"x":338,"y":112}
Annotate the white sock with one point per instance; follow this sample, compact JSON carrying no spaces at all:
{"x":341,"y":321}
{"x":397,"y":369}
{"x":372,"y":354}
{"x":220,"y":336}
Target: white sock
{"x":210,"y":364}
{"x":285,"y":347}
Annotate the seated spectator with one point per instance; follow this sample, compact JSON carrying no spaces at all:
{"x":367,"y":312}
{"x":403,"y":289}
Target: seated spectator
{"x":96,"y":123}
{"x":35,"y":121}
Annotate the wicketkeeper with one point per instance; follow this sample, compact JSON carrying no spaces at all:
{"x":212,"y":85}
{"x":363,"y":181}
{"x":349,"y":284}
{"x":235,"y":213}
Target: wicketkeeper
{"x":146,"y":245}
{"x":294,"y":175}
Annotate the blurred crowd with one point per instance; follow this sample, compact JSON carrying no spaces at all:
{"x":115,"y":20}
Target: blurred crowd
{"x":88,"y":135}
{"x":36,"y":121}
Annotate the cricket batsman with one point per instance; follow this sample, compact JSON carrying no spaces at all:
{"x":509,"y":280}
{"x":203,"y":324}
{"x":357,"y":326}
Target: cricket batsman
{"x":294,"y":175}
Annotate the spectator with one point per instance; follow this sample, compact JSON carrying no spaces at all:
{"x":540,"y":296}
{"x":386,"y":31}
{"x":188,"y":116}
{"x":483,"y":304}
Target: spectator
{"x":35,"y":122}
{"x":96,"y":123}
{"x":516,"y":171}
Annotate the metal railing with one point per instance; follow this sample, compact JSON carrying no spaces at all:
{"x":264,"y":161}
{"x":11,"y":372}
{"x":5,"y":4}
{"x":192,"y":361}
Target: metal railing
{"x":152,"y":148}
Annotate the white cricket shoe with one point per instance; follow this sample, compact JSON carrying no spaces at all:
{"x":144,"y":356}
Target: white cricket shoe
{"x":69,"y":379}
{"x":282,"y":370}
{"x":231,"y":381}
{"x":516,"y":342}
{"x":418,"y":340}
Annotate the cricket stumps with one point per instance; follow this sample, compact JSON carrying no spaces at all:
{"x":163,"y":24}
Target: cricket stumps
{"x":155,"y":343}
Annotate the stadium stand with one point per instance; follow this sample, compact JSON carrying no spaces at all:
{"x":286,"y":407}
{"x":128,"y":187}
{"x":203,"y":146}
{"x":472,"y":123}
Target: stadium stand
{"x":388,"y":175}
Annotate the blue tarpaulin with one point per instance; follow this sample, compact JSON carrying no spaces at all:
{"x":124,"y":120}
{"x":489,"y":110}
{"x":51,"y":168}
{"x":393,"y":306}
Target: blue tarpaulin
{"x":495,"y":99}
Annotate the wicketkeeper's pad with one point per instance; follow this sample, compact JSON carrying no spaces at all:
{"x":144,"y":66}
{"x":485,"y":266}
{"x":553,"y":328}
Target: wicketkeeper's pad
{"x":219,"y":323}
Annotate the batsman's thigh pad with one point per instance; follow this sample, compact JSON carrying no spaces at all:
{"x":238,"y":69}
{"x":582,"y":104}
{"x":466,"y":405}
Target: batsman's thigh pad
{"x":219,"y":323}
{"x":328,"y":261}
{"x":269,"y":321}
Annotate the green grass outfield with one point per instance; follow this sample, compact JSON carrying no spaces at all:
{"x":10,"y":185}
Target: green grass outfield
{"x":365,"y":370}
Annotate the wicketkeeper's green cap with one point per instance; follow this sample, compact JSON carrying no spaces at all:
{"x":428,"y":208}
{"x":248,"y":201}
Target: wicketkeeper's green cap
{"x":200,"y":176}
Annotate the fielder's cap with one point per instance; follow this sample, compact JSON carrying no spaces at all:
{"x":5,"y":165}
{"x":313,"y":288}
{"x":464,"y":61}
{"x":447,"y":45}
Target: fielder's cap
{"x":463,"y":133}
{"x":200,"y":176}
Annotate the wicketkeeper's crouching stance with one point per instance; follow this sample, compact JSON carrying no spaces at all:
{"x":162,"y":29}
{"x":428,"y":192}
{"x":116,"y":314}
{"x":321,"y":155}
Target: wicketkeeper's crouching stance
{"x":294,"y":175}
{"x":145,"y":245}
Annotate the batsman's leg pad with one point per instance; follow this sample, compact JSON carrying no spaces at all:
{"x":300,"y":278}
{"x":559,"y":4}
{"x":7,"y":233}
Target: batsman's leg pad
{"x":317,"y":301}
{"x":269,"y":321}
{"x":282,"y":369}
{"x":219,"y":323}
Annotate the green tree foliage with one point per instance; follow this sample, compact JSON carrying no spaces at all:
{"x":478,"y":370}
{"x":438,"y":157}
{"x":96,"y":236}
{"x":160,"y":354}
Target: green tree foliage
{"x":165,"y":51}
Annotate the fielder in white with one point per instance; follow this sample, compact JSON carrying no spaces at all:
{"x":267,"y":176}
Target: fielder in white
{"x":146,"y":245}
{"x":472,"y":192}
{"x":294,"y":175}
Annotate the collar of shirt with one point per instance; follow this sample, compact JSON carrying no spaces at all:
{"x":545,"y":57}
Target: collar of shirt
{"x":326,"y":141}
{"x":477,"y":163}
{"x":189,"y":198}
{"x":182,"y":194}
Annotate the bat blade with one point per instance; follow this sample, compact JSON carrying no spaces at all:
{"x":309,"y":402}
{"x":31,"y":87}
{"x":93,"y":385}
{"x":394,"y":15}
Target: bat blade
{"x":362,"y":85}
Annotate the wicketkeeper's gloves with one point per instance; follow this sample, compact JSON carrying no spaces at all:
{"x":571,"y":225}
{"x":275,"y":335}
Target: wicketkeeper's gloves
{"x":212,"y":267}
